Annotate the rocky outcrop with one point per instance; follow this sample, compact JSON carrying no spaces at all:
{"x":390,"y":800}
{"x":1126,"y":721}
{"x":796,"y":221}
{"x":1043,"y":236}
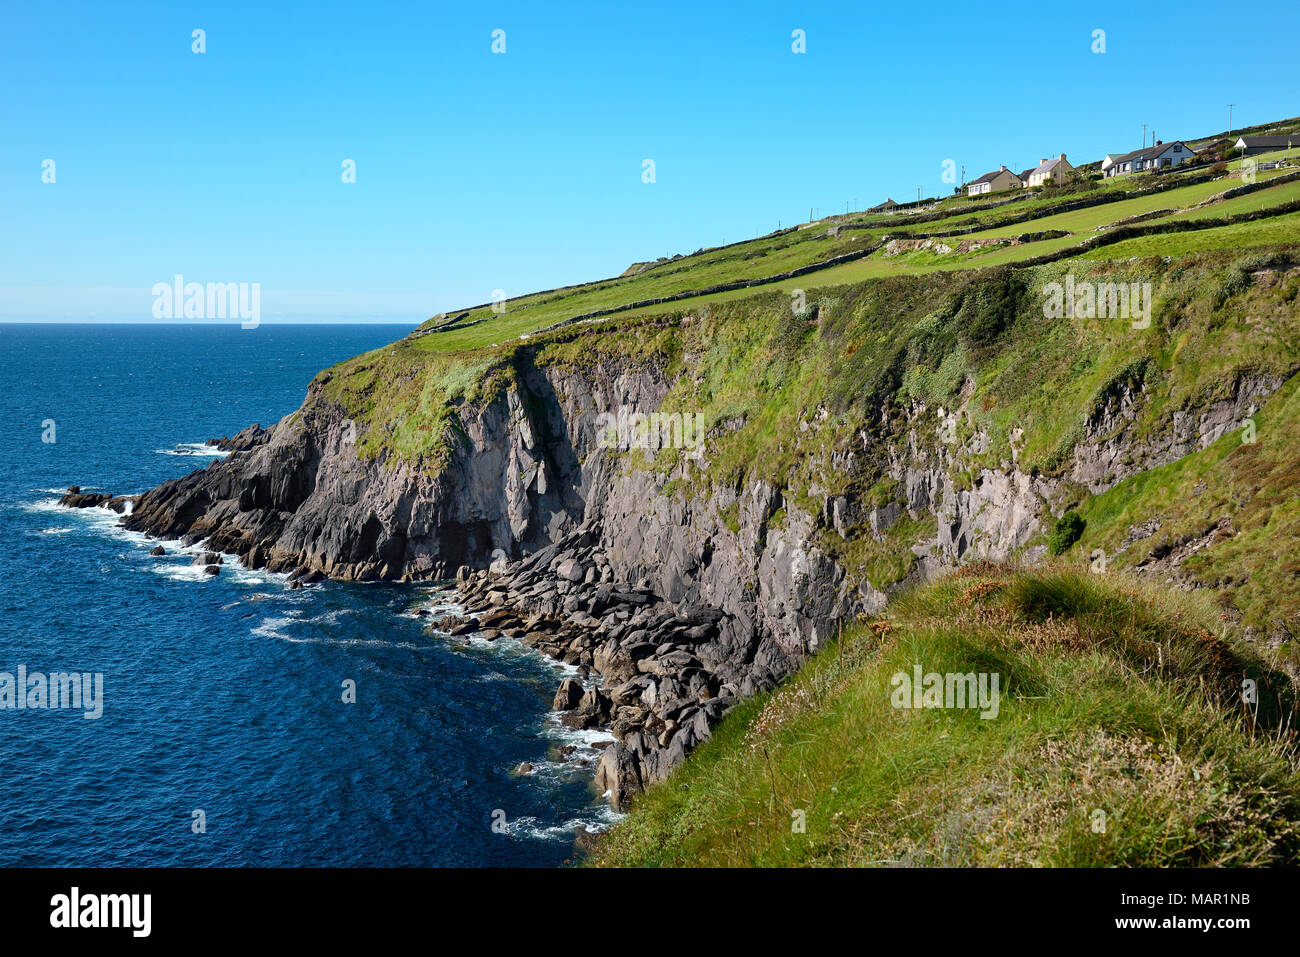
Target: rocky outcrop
{"x":1005,"y":509}
{"x":242,"y":441}
{"x":526,"y":473}
{"x":662,"y":673}
{"x":304,"y":498}
{"x":76,"y":498}
{"x":1112,"y":448}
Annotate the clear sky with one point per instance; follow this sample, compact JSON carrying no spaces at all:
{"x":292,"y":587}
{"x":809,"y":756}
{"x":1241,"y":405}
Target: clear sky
{"x":520,"y":171}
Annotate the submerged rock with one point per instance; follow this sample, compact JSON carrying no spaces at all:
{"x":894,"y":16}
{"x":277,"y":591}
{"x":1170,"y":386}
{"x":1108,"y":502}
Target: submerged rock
{"x":75,"y":498}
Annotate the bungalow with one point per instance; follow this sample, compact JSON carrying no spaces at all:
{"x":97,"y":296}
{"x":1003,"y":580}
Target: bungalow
{"x":1160,"y":156}
{"x":1254,"y":145}
{"x":1055,"y":169}
{"x":888,"y":206}
{"x":994,"y":182}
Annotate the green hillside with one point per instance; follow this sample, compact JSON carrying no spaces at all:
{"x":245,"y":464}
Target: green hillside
{"x":1002,"y":216}
{"x":1120,"y":739}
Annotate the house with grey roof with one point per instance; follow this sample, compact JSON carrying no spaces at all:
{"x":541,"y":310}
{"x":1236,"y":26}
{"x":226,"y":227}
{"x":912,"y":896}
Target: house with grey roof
{"x":1254,"y":145}
{"x":1054,"y":169}
{"x":1161,"y":156}
{"x":994,"y":182}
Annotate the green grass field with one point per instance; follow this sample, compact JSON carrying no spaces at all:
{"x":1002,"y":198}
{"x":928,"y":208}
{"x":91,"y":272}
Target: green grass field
{"x":800,"y":247}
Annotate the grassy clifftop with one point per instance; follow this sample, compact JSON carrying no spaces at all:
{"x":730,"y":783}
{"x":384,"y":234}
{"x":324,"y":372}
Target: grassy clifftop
{"x":1120,"y":738}
{"x":865,"y":369}
{"x":406,"y":397}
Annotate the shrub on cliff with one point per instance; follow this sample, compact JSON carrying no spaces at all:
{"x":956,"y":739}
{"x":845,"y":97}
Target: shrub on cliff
{"x":1068,"y":530}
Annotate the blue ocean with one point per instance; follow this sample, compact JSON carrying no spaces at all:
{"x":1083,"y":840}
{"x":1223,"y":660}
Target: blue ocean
{"x":224,"y":738}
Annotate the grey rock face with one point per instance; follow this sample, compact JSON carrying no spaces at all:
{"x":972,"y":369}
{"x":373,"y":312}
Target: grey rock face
{"x":673,"y":607}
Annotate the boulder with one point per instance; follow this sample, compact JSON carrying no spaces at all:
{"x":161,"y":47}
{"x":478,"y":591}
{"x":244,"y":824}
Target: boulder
{"x":570,"y":570}
{"x":630,"y":597}
{"x":568,"y":696}
{"x":618,"y":774}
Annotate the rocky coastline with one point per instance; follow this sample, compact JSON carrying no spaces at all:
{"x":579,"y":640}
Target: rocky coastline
{"x":657,"y":675}
{"x":673,"y":606}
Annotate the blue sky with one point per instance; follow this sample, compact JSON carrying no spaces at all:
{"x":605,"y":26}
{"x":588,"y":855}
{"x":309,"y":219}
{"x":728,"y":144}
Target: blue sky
{"x":521,"y":171}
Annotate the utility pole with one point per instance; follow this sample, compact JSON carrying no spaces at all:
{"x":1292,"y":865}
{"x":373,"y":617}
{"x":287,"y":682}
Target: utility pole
{"x":1230,"y":106}
{"x":1144,"y":136}
{"x":918,"y":194}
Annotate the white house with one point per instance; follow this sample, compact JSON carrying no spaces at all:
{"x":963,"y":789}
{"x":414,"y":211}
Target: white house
{"x":1161,"y":156}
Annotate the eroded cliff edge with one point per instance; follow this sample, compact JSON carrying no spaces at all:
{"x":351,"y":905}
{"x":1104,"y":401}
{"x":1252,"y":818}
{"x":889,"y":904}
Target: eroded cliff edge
{"x":817,"y":489}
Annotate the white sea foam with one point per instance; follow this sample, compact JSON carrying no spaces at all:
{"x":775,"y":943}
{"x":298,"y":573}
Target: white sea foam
{"x":97,"y":519}
{"x":270,"y":628}
{"x":278,"y":628}
{"x":513,"y":647}
{"x":598,"y":819}
{"x":275,"y":628}
{"x":194,"y":449}
{"x":107,"y":521}
{"x":583,"y":738}
{"x":180,"y":573}
{"x":441,"y":605}
{"x":46,"y":505}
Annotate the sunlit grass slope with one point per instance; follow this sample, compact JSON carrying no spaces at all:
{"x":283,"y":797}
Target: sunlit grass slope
{"x":1121,"y":738}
